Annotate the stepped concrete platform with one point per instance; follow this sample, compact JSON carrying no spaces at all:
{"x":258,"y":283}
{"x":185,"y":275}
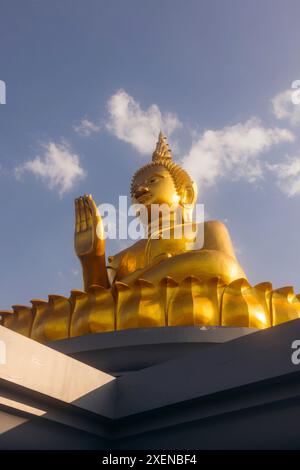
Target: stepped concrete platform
{"x":227,"y":389}
{"x":120,"y":352}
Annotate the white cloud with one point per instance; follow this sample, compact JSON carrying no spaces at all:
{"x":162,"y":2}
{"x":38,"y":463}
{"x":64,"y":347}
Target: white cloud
{"x":58,"y":167}
{"x":86,"y":127}
{"x":233,"y":152}
{"x":284,"y":108}
{"x":288,"y":175}
{"x":128,"y":122}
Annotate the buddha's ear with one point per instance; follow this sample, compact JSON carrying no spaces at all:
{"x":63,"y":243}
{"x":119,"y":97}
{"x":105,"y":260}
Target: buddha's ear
{"x":190,"y":194}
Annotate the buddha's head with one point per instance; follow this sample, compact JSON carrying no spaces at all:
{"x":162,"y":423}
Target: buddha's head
{"x":162,"y":181}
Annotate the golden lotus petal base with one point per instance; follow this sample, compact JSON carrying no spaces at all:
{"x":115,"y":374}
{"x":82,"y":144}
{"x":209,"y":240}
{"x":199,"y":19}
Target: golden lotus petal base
{"x":143,"y":304}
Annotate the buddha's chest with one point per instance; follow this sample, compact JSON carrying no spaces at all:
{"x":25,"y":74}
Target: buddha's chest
{"x":146,"y":253}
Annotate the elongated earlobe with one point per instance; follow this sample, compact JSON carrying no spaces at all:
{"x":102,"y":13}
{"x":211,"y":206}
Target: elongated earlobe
{"x":190,"y":194}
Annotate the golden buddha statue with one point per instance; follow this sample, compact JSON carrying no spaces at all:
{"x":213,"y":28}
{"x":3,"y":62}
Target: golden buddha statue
{"x":160,"y":280}
{"x":160,"y":182}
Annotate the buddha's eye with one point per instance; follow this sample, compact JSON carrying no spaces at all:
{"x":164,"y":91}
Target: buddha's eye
{"x":152,"y":180}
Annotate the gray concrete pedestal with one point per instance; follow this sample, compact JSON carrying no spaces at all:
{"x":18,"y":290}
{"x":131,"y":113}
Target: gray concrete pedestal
{"x":120,"y":352}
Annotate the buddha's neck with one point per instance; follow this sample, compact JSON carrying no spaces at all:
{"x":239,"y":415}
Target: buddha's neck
{"x":167,"y":225}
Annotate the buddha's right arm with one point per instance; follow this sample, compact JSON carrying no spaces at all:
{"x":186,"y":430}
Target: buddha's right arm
{"x":90,"y":243}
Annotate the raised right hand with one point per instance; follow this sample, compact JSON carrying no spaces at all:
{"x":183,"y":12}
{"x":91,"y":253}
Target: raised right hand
{"x":88,"y":240}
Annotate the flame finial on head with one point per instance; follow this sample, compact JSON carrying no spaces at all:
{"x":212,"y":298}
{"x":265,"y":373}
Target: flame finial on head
{"x":162,"y":149}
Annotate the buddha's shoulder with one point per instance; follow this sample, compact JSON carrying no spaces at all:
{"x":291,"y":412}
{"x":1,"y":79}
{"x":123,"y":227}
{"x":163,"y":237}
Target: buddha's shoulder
{"x":215,"y":226}
{"x":216,"y":237}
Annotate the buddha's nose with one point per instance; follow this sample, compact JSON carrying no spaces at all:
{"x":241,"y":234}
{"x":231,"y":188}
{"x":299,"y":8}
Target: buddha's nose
{"x":141,"y":190}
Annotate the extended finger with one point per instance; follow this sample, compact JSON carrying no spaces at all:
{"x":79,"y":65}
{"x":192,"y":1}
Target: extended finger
{"x":88,"y":212}
{"x":93,"y":207}
{"x":77,"y":216}
{"x":82,"y":215}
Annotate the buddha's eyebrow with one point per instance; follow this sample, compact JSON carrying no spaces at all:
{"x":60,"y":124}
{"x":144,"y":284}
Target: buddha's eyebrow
{"x":157,"y":174}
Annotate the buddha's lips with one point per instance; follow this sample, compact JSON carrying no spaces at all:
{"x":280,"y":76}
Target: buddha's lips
{"x":141,"y":193}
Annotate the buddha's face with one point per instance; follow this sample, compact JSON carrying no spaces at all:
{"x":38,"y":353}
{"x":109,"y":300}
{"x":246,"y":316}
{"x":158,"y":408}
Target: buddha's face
{"x":155,"y":186}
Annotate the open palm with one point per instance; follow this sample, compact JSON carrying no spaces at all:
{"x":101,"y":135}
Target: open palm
{"x":88,"y":238}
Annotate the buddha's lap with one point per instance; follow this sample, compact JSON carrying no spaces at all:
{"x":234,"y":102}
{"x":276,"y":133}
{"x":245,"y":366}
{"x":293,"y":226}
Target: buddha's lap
{"x":203,"y":264}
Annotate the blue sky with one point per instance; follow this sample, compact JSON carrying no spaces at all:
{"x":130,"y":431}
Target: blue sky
{"x":88,"y":85}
